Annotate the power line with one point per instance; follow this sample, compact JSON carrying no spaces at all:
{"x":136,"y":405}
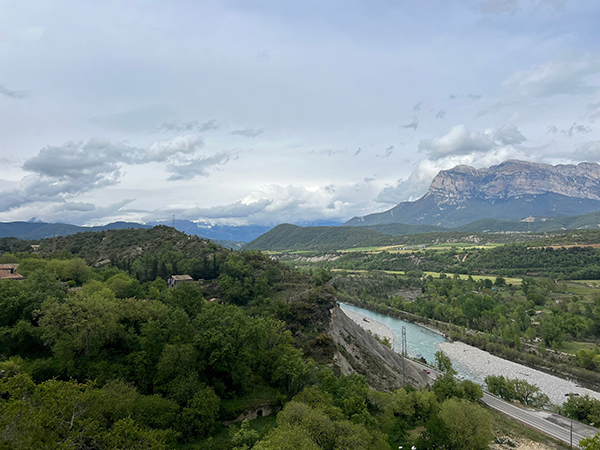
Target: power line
{"x":404,"y":355}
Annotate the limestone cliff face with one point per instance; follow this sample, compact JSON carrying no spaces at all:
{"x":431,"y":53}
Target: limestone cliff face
{"x":515,"y":179}
{"x":511,"y":190}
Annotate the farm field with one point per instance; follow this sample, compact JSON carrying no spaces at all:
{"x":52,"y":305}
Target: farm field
{"x":509,"y":280}
{"x":459,"y":246}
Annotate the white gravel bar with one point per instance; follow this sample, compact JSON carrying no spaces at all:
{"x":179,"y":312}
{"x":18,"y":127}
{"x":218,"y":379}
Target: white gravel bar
{"x":480,"y":364}
{"x":369,"y":324}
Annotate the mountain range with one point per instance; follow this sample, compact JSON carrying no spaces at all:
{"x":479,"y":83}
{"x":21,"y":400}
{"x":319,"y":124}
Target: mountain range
{"x":511,"y":197}
{"x":510,"y":190}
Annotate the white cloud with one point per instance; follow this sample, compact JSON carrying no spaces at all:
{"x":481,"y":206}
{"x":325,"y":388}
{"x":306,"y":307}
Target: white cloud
{"x":461,"y":141}
{"x":590,"y":151}
{"x":561,"y":77}
{"x":191,"y":126}
{"x":199,"y":166}
{"x":417,"y":183}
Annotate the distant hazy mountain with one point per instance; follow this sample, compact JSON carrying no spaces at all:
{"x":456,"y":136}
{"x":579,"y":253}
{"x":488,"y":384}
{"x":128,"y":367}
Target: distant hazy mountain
{"x":41,"y":230}
{"x":511,"y":190}
{"x":239,"y":233}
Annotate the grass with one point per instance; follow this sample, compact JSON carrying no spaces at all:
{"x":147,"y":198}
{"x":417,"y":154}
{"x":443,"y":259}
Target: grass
{"x":572,"y":347}
{"x":503,"y":425}
{"x":579,"y":287}
{"x":509,"y":280}
{"x":363,"y":249}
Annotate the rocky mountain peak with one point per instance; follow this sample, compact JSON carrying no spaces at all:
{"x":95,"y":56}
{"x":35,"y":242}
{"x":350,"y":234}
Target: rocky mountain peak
{"x":513,"y":178}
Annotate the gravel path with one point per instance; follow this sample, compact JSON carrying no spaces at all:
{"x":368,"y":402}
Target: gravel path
{"x":371,"y":325}
{"x":481,"y":364}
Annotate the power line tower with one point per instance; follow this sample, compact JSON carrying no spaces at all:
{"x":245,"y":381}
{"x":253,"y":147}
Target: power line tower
{"x":404,"y":355}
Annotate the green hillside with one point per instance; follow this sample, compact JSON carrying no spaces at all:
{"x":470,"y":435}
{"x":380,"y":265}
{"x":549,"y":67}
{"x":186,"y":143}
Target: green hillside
{"x":293,"y":237}
{"x":402,"y":229}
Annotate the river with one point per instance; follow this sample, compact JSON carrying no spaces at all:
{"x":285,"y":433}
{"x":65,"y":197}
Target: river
{"x":470,"y":362}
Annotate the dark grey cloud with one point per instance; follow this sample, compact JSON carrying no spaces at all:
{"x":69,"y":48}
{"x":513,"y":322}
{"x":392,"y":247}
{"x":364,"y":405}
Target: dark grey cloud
{"x":552,"y":129}
{"x":472,"y":97}
{"x":76,"y":168}
{"x":508,"y":135}
{"x":330,"y":188}
{"x":498,"y":6}
{"x":592,"y":112}
{"x":328,"y":151}
{"x":80,"y":213}
{"x":576,"y":129}
{"x":18,"y":94}
{"x":248,"y":132}
{"x":78,"y":161}
{"x":358,"y":152}
{"x":191,"y":126}
{"x":441,"y":114}
{"x":368,"y":179}
{"x":592,"y":106}
{"x":198,"y":167}
{"x":388,"y":152}
{"x":417,"y":107}
{"x":230,"y":211}
{"x":414,"y":124}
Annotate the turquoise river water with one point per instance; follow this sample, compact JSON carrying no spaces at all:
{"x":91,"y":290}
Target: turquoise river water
{"x":419,"y":340}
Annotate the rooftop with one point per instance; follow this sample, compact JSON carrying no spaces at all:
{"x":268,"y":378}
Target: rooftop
{"x":5,"y":275}
{"x":182,"y":278}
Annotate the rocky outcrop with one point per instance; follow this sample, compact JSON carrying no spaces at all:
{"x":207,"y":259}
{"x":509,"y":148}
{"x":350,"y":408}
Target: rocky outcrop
{"x":516,"y":178}
{"x":358,"y":351}
{"x":511,"y":190}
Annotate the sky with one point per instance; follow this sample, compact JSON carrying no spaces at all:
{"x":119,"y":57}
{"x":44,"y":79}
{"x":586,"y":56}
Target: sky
{"x":260,"y":112}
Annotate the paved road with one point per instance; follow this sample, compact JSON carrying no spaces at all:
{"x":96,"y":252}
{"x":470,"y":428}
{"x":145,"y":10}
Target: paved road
{"x":536,"y":420}
{"x":553,"y":425}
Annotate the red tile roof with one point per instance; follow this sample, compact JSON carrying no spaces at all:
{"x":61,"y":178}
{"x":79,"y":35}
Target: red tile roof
{"x":5,"y":275}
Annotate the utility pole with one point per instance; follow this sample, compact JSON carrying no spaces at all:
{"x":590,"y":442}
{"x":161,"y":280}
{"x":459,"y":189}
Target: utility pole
{"x":173,"y":221}
{"x":571,"y":439}
{"x":404,"y":355}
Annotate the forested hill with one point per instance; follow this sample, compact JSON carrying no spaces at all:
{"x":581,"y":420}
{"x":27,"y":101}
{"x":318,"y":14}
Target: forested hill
{"x":41,"y":230}
{"x":293,"y":237}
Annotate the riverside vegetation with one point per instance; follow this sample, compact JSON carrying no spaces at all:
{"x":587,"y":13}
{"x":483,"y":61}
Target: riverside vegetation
{"x":98,"y":353}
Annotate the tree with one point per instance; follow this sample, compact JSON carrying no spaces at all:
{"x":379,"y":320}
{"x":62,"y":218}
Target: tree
{"x":469,"y":425}
{"x":516,"y":389}
{"x":443,"y":363}
{"x":199,"y":417}
{"x":287,"y":438}
{"x":496,"y":384}
{"x":245,"y":437}
{"x":590,"y":443}
{"x":528,"y":394}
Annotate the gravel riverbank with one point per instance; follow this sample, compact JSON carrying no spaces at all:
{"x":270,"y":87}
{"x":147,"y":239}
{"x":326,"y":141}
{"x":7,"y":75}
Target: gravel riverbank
{"x":481,"y":364}
{"x":371,"y":325}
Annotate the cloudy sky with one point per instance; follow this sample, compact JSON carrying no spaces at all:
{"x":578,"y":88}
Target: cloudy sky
{"x":269,"y":111}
